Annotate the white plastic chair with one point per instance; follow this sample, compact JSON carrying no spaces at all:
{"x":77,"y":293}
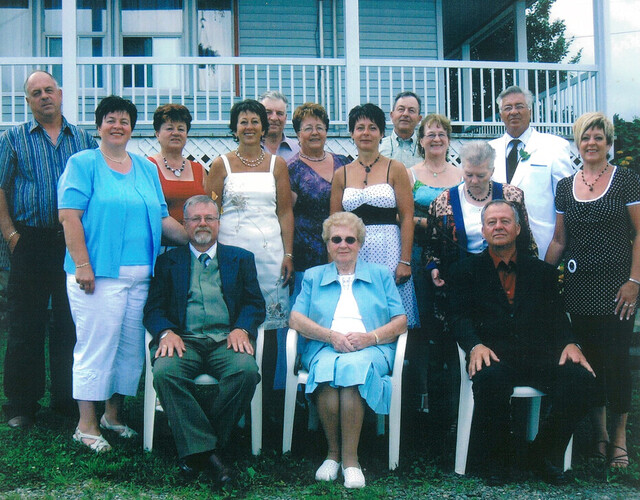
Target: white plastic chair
{"x":203,"y":379}
{"x":465,"y":416}
{"x":294,"y":380}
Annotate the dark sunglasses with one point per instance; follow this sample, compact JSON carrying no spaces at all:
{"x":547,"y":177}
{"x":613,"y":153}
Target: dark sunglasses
{"x":350,"y":240}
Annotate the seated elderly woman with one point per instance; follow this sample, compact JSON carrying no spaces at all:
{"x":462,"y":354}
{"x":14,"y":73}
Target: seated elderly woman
{"x":351,"y":312}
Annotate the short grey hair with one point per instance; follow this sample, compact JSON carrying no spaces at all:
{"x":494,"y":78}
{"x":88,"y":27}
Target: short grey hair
{"x":197,"y":200}
{"x":347,"y":219}
{"x":24,"y":86}
{"x":514,"y":89}
{"x":514,"y":209}
{"x":478,"y":152}
{"x":274,"y":95}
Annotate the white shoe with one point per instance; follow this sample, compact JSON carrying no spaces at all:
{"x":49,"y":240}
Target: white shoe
{"x":328,"y":471}
{"x":353,"y":477}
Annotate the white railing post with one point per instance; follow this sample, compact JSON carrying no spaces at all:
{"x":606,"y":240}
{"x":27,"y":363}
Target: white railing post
{"x":521,"y":41}
{"x":352,"y":52}
{"x":602,"y":46}
{"x":69,"y":56}
{"x":466,"y":113}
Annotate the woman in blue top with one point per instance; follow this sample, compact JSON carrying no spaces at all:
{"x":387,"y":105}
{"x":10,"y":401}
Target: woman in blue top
{"x":113,"y":213}
{"x":352,"y":313}
{"x":428,"y":179}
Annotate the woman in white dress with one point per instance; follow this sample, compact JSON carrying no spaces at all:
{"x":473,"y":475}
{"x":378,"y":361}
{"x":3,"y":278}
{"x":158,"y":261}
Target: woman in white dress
{"x":377,"y":190}
{"x":252,"y":190}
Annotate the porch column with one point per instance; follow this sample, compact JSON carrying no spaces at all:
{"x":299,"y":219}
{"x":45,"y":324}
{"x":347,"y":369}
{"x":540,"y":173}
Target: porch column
{"x":69,"y":56}
{"x":602,"y":47}
{"x":521,"y":40}
{"x":467,"y":86}
{"x":352,"y":53}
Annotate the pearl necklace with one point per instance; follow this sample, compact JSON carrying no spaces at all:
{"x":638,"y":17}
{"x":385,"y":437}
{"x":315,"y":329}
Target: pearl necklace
{"x":311,"y":158}
{"x":480,"y":199}
{"x":176,"y":171}
{"x":590,"y":186}
{"x":367,"y":168}
{"x":126,"y":157}
{"x":250,"y":163}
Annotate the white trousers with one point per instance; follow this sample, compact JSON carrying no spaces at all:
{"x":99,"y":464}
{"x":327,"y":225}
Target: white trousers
{"x":109,"y":352}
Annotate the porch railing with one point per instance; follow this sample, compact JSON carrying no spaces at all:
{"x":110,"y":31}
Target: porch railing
{"x":465,"y":91}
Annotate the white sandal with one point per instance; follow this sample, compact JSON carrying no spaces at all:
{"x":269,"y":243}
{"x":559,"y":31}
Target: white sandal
{"x":124,"y":431}
{"x":99,"y":445}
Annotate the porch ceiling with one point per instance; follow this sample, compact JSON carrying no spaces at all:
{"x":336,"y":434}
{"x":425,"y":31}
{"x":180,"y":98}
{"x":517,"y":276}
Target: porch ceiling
{"x":462,"y":19}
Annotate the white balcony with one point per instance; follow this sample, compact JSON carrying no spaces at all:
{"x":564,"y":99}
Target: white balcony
{"x":465,"y":91}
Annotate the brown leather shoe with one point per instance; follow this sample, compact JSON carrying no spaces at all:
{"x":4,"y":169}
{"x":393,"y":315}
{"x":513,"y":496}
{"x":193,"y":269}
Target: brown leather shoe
{"x":20,"y":422}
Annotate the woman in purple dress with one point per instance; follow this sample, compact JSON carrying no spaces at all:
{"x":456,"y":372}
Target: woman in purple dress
{"x":311,"y":172}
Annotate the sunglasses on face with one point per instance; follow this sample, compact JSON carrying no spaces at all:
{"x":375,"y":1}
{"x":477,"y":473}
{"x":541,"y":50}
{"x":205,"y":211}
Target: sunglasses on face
{"x":349,"y":240}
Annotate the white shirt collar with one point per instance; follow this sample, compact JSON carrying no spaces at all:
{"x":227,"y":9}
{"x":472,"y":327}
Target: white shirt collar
{"x":211,"y":252}
{"x":524,"y":137}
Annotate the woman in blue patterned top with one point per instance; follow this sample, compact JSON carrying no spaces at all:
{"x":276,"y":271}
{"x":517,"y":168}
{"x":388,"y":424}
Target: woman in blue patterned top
{"x":428,"y":179}
{"x":113,"y":214}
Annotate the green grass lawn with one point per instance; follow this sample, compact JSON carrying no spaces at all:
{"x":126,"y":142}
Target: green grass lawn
{"x":44,"y":462}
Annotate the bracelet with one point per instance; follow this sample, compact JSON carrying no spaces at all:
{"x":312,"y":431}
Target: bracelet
{"x":376,"y":336}
{"x":290,"y":255}
{"x":405,"y":262}
{"x":83,"y":265}
{"x":12,"y":235}
{"x":167,"y":332}
{"x":632,"y":280}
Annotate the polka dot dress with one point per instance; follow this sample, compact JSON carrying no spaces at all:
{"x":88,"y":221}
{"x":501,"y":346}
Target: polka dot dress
{"x":382,"y":242}
{"x":597,"y":255}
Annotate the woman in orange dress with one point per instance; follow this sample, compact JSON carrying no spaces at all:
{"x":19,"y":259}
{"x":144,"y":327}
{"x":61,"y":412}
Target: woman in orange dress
{"x":180,"y":178}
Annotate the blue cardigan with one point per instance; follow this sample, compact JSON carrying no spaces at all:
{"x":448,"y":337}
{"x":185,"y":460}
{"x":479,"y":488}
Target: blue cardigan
{"x":373,"y":288}
{"x":88,"y":184}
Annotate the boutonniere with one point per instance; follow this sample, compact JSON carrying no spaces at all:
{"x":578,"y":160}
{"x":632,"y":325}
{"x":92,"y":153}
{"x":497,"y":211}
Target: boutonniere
{"x":524,"y":156}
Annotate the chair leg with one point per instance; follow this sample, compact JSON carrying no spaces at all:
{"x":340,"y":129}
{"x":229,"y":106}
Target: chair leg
{"x":394,"y":437}
{"x":256,"y":420}
{"x":149,"y":409}
{"x":533,"y":418}
{"x":465,"y":416}
{"x":289,"y":412}
{"x":568,"y":455}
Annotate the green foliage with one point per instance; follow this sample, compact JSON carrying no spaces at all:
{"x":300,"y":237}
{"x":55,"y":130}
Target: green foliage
{"x":627,"y":143}
{"x":546,"y":39}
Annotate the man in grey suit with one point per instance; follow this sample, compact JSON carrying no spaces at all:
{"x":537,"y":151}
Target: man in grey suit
{"x":203,"y":310}
{"x":533,"y":161}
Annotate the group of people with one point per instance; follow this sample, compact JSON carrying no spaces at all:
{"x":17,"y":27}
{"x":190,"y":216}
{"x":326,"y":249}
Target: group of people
{"x":285,"y":233}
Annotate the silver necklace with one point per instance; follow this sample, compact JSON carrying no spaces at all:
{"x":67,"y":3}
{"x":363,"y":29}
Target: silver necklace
{"x":250,"y":163}
{"x":434,"y":172}
{"x":311,"y":158}
{"x":113,"y":159}
{"x":176,"y":171}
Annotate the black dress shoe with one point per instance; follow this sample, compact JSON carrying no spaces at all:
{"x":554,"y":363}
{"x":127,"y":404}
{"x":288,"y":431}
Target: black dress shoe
{"x":187,"y":471}
{"x":20,"y":422}
{"x":220,"y":472}
{"x":548,"y":472}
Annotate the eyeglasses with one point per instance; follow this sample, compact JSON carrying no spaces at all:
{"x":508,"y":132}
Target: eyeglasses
{"x":318,"y":128}
{"x":431,"y":135}
{"x":349,"y":240}
{"x":209,"y":219}
{"x":518,"y":107}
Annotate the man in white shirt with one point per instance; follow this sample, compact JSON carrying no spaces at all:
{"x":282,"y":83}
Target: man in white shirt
{"x":532,"y":161}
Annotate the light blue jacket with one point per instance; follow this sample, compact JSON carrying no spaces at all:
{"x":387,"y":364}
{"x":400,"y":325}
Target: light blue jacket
{"x":373,"y":288}
{"x":89,"y":184}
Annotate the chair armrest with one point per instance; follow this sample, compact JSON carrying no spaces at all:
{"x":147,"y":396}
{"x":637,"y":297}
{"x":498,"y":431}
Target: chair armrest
{"x":260,"y":347}
{"x":401,"y":345}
